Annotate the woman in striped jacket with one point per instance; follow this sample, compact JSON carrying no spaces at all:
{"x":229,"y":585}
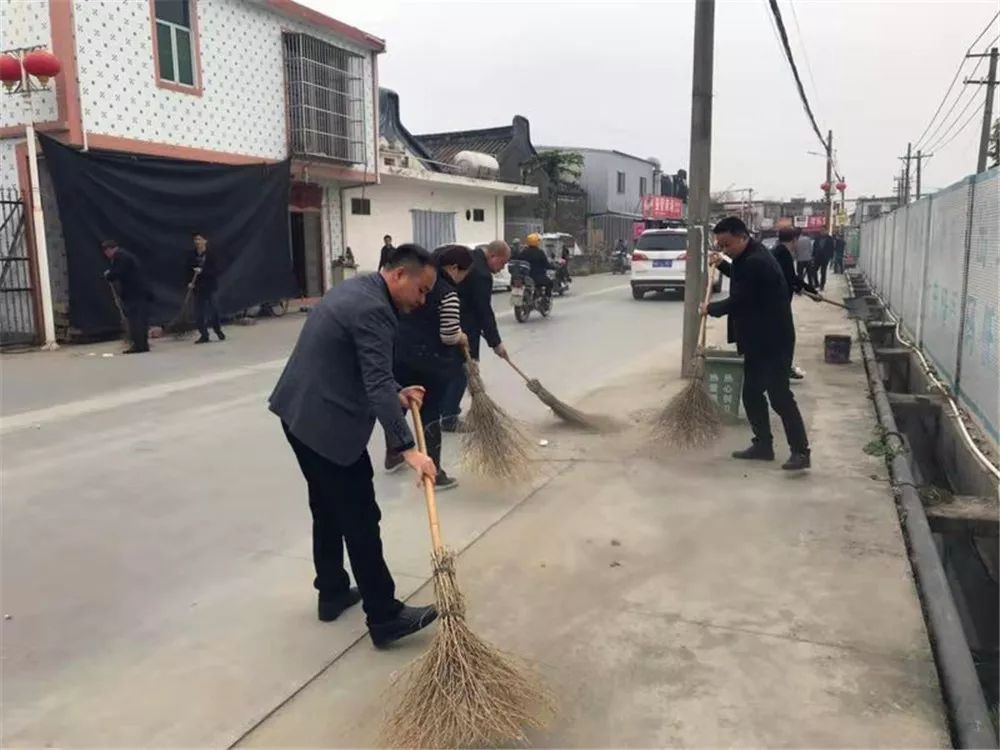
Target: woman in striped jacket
{"x":428,"y":350}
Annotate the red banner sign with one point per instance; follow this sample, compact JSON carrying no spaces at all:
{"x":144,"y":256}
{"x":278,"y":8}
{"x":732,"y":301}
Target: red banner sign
{"x":638,"y":227}
{"x":662,"y":207}
{"x":816,"y":222}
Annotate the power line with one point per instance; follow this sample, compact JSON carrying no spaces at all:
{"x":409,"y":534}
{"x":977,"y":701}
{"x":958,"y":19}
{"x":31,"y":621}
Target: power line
{"x":954,"y":80}
{"x":805,"y":52}
{"x":951,"y":109}
{"x":973,"y":116}
{"x":936,"y":146}
{"x":776,"y":12}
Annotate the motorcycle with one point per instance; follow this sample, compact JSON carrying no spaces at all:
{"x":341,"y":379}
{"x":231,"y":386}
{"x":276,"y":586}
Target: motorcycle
{"x":619,"y":263}
{"x":561,"y":280}
{"x":524,"y":295}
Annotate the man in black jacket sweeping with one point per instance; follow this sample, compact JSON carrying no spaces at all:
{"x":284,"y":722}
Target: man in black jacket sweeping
{"x":478,"y":320}
{"x":760,"y":322}
{"x":204,"y":283}
{"x":337,"y":383}
{"x":126,"y":271}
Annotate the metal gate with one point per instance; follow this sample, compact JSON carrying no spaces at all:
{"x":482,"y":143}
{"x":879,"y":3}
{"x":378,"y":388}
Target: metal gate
{"x":18,"y":325}
{"x":432,"y":229}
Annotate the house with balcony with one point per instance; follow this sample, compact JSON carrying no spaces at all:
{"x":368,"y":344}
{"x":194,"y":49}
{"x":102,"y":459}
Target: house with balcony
{"x":236,"y":82}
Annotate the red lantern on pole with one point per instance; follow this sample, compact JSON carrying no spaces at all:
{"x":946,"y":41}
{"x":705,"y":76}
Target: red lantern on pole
{"x":841,"y":186}
{"x":42,"y":64}
{"x":10,"y":71}
{"x":825,"y":187}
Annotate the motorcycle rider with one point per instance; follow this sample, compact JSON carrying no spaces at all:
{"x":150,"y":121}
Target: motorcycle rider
{"x":619,"y":256}
{"x":535,"y":257}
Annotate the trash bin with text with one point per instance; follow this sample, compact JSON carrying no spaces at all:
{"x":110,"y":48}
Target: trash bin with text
{"x":724,"y":378}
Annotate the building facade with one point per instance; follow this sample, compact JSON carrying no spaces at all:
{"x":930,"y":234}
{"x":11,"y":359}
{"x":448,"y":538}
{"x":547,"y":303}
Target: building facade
{"x":219,"y":81}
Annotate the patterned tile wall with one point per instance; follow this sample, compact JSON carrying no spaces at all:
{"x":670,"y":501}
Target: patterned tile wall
{"x":8,"y":167}
{"x":26,"y":23}
{"x":242,"y":109}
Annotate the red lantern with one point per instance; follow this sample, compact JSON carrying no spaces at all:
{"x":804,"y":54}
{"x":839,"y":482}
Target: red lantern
{"x":10,"y":71}
{"x":42,"y":64}
{"x":825,"y":187}
{"x":841,"y":186}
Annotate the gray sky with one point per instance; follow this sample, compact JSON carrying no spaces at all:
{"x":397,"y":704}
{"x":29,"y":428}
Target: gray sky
{"x":618,"y":75}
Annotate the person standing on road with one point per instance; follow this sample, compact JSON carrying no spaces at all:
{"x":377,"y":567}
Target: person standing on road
{"x":385,"y":252}
{"x":133,"y":290}
{"x":429,"y":351}
{"x":822,"y":255}
{"x":839,"y":246}
{"x":336,"y":384}
{"x":760,"y":322}
{"x":204,"y":283}
{"x":783,"y":254}
{"x":804,"y":257}
{"x":478,"y":321}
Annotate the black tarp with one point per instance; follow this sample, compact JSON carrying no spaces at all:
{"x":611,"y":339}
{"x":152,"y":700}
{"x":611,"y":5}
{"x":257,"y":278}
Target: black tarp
{"x":151,"y":206}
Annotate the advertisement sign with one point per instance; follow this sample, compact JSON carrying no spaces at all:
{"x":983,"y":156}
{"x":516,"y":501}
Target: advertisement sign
{"x":801,"y":221}
{"x":638,"y":228}
{"x":816,"y":222}
{"x":662,"y":207}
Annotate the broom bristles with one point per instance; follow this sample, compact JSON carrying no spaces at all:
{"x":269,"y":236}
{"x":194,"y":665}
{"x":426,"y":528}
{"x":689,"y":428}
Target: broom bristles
{"x":569,"y":414}
{"x":493,"y":445}
{"x":463,"y":692}
{"x":691,"y":419}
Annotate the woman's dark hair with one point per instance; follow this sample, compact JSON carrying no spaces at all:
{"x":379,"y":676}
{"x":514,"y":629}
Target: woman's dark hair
{"x":453,"y":255}
{"x":787,"y":235}
{"x":412,"y":256}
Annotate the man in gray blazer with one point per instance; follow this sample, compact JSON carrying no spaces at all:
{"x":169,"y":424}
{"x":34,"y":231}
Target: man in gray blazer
{"x":337,"y":382}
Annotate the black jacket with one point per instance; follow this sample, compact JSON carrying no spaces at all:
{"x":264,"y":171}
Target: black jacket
{"x":418,"y":342}
{"x":206,"y":282}
{"x":539,"y":262}
{"x":838,"y":247}
{"x":823,"y":249}
{"x":383,"y":256}
{"x":127,"y":271}
{"x":759,"y":305}
{"x":795,"y":285}
{"x":476,"y":293}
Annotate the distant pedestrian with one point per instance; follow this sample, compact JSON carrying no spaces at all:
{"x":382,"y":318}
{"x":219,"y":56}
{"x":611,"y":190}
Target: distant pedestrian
{"x":336,"y":384}
{"x":204,"y":283}
{"x":783,"y":254}
{"x":133,"y":289}
{"x":385,"y":252}
{"x":839,"y":246}
{"x":478,"y":321}
{"x":804,"y":257}
{"x":822,"y":255}
{"x":760,"y":322}
{"x":515,"y":249}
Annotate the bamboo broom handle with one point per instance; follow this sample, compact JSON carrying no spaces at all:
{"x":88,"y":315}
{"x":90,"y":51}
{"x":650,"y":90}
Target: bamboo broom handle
{"x":429,"y":496}
{"x":703,"y":333}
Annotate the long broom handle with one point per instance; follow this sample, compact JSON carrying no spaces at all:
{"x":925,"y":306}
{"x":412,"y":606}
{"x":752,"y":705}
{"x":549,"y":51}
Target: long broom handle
{"x":703,"y":332}
{"x":821,"y":298}
{"x":429,"y":496}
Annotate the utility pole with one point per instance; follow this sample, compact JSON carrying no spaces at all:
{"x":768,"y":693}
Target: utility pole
{"x":829,"y":181}
{"x":700,"y":163}
{"x":905,"y":189}
{"x":920,"y":157}
{"x":991,"y":84}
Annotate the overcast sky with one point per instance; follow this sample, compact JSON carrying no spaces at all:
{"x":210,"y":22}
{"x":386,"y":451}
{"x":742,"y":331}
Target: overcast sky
{"x":617,"y":75}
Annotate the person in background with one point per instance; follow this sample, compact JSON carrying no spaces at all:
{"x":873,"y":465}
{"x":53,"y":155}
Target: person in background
{"x":839,"y":246}
{"x":385,"y":252}
{"x":478,"y":321}
{"x":804,"y":257}
{"x":783,"y":254}
{"x":429,"y":351}
{"x":822,"y":255}
{"x":204,"y":283}
{"x":564,"y":269}
{"x":620,"y":247}
{"x":539,"y":261}
{"x":125,"y":270}
{"x":515,"y":249}
{"x":336,"y":384}
{"x":759,"y":314}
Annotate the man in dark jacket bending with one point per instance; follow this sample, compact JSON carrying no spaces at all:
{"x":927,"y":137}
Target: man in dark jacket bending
{"x":760,"y":322}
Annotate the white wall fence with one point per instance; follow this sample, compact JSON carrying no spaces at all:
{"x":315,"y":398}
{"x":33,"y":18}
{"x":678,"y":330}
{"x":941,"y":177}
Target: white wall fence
{"x":936,"y":264}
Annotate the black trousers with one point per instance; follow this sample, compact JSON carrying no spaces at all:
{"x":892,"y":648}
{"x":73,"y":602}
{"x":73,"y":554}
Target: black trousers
{"x":206,"y":313}
{"x":807,"y":271}
{"x":820,"y":273}
{"x":344,"y":511}
{"x":436,"y":385}
{"x":137,"y":314}
{"x":769,"y":375}
{"x":838,"y":263}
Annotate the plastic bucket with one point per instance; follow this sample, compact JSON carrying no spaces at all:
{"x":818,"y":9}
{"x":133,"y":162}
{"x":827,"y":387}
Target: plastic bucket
{"x":836,"y":349}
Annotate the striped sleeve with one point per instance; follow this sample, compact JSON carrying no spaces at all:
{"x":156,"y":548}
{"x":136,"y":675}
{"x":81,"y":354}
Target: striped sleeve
{"x":449,"y":315}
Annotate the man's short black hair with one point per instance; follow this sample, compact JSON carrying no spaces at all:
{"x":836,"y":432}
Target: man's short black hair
{"x":109,"y":244}
{"x":787,"y":234}
{"x":413,"y":257}
{"x":198,"y":234}
{"x":731,"y":225}
{"x":387,"y":237}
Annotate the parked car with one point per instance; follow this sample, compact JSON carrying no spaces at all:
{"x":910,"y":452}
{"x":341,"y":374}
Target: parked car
{"x":659,"y":262}
{"x":501,"y":279}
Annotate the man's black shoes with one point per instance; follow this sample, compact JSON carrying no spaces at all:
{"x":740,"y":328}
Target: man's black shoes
{"x":756,"y":452}
{"x":407,"y":622}
{"x":797,"y":462}
{"x":331,"y":609}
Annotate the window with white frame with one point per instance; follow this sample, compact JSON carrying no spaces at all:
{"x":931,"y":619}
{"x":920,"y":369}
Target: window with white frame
{"x":175,"y":46}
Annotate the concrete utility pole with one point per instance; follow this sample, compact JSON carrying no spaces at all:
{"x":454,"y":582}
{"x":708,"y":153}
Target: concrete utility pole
{"x":829,"y":181}
{"x":920,"y":157}
{"x":905,"y":191}
{"x":700,"y":164}
{"x":991,"y":84}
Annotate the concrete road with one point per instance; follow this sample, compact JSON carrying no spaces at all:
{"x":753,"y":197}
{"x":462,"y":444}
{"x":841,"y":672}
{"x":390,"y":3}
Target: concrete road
{"x":156,"y":579}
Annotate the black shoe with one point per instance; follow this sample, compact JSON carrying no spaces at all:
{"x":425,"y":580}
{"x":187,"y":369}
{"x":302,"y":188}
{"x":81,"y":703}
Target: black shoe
{"x":797,"y":462}
{"x":443,"y":482}
{"x":201,"y":340}
{"x":796,"y":374}
{"x":221,"y":335}
{"x":394,"y":462}
{"x":756,"y":452}
{"x":407,"y":622}
{"x":136,"y":350}
{"x":331,"y":609}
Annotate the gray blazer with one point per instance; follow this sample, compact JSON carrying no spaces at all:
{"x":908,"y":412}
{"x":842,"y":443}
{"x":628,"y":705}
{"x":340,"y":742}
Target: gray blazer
{"x":339,"y":379}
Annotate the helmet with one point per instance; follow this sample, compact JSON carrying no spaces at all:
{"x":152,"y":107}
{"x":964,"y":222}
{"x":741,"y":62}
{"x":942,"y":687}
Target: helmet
{"x":533,"y":240}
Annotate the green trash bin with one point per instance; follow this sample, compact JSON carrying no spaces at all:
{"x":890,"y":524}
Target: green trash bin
{"x":724,"y":378}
